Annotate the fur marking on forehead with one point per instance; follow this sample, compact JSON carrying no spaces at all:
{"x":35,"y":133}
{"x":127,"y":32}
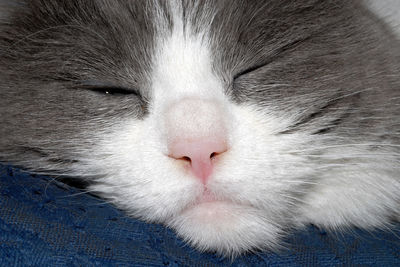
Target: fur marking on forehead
{"x":183,"y":64}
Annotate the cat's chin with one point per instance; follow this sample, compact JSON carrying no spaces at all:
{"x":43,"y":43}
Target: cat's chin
{"x":225,"y":227}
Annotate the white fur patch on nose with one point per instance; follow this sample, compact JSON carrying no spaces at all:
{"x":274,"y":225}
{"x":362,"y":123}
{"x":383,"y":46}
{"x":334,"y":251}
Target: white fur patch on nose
{"x":188,"y":101}
{"x":192,"y":119}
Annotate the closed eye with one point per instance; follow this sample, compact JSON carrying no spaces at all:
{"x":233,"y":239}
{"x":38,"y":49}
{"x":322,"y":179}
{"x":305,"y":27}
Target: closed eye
{"x":111,"y":90}
{"x":280,"y":52}
{"x":249,"y":70}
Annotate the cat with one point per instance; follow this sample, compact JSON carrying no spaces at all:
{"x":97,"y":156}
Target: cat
{"x":232,"y":122}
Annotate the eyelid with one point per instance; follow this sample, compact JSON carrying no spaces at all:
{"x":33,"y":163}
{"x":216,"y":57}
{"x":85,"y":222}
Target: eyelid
{"x":278,"y":53}
{"x":249,"y":70}
{"x":111,"y":89}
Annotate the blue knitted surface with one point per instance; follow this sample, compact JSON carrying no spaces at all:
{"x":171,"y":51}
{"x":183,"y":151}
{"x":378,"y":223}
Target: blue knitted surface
{"x":46,"y":223}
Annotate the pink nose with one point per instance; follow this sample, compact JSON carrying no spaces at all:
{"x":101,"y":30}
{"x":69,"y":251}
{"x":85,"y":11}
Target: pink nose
{"x":200,"y":154}
{"x":196,"y":132}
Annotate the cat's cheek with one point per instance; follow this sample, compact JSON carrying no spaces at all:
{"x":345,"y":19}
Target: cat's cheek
{"x":133,"y":173}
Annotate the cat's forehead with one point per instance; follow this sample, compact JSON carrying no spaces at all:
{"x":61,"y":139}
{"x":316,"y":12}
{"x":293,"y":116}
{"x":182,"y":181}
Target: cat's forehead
{"x":135,"y":43}
{"x":183,"y":37}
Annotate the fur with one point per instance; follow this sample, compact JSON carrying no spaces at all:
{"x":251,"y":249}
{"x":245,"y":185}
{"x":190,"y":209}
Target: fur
{"x":308,"y":92}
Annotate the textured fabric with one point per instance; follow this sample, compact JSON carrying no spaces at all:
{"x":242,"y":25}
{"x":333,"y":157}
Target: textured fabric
{"x":46,"y":223}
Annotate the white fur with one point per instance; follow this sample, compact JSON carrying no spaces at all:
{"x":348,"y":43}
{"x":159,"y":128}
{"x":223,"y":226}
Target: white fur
{"x":389,"y":10}
{"x":254,"y":181}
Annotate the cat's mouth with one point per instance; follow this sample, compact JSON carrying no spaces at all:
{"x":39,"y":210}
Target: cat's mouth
{"x":210,"y":215}
{"x":210,"y":205}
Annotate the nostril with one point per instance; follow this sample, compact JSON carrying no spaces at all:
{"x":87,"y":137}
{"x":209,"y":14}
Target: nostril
{"x":198,"y":156}
{"x":213,"y":155}
{"x":188,"y":159}
{"x":185,"y":158}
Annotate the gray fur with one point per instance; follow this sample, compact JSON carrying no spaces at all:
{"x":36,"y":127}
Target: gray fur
{"x":332,"y":65}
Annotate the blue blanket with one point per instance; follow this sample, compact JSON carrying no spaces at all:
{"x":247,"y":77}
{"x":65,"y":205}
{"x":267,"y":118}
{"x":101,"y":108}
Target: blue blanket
{"x":47,"y":223}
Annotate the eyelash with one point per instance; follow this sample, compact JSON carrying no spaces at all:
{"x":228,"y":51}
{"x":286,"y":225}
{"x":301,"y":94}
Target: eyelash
{"x":112,"y":90}
{"x":248,"y":70}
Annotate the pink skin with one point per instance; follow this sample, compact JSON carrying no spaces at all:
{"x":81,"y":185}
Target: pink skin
{"x":199,"y":153}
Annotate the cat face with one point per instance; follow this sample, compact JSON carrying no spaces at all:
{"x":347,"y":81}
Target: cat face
{"x":223,"y":120}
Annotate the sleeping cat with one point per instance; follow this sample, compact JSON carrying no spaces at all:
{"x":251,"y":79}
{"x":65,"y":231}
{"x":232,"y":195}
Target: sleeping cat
{"x":231,"y":122}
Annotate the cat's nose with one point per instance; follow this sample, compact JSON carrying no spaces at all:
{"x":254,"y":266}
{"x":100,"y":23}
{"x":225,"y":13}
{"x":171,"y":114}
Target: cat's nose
{"x":200,"y":154}
{"x":196,"y":133}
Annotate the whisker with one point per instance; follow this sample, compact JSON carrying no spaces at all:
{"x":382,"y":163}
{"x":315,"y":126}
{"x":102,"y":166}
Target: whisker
{"x":345,"y":145}
{"x":94,"y":191}
{"x":347,"y":156}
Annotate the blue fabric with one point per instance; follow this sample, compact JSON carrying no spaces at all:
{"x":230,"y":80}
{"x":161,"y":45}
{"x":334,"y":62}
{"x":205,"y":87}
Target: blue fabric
{"x":46,"y":223}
